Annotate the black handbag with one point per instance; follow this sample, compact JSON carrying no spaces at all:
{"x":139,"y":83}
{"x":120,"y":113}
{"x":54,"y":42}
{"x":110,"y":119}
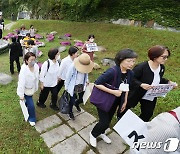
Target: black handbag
{"x":64,"y":103}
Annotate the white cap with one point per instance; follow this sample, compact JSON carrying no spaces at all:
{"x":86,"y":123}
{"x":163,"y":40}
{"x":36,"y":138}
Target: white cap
{"x":0,"y":13}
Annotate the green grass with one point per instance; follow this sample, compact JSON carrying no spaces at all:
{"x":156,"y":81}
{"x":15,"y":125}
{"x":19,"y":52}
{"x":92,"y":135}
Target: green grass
{"x":17,"y":136}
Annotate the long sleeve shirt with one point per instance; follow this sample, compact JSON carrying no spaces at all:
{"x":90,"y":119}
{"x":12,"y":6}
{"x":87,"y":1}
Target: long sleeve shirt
{"x":27,"y":79}
{"x":71,"y":79}
{"x":65,"y":63}
{"x":49,"y":76}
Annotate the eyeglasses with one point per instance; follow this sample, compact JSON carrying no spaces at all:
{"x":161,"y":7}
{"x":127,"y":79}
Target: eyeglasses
{"x":164,"y":57}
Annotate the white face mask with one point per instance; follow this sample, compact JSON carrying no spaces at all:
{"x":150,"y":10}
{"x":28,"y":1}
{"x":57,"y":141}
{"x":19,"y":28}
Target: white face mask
{"x":31,"y":64}
{"x":58,"y":57}
{"x":91,"y":40}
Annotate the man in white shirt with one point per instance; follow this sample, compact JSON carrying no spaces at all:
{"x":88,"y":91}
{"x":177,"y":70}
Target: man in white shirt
{"x":65,"y":63}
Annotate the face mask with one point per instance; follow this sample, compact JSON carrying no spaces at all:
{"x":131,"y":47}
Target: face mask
{"x":58,"y":57}
{"x":91,"y":40}
{"x":31,"y":64}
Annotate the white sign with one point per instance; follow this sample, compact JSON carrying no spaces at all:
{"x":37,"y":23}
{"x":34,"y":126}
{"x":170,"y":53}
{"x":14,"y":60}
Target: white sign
{"x":24,"y":110}
{"x":159,"y":91}
{"x":131,"y":128}
{"x":91,"y":47}
{"x":88,"y":92}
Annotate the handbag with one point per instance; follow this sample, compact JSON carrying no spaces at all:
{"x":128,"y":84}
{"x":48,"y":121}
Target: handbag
{"x":102,"y":99}
{"x":29,"y":91}
{"x":64,"y":102}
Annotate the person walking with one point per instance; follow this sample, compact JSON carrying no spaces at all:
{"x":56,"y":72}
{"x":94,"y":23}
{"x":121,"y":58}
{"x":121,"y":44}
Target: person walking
{"x":1,"y":25}
{"x":146,"y":75}
{"x":28,"y":84}
{"x":65,"y":63}
{"x":76,"y":80}
{"x":15,"y":50}
{"x":120,"y":75}
{"x":49,"y":77}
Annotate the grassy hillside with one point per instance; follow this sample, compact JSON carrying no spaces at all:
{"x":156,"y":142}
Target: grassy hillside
{"x":19,"y":137}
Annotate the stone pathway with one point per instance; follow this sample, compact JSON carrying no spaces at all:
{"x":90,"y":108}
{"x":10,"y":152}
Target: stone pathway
{"x":63,"y":135}
{"x":8,"y":26}
{"x":5,"y":79}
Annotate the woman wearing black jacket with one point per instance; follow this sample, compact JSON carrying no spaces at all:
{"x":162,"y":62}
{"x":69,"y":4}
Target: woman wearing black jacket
{"x":146,"y":75}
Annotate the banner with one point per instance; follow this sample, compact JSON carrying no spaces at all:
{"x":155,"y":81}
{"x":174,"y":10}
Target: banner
{"x":131,"y":128}
{"x":91,"y":47}
{"x":24,"y":110}
{"x":159,"y":91}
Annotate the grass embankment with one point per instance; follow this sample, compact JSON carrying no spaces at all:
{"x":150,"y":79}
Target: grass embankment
{"x":19,"y":137}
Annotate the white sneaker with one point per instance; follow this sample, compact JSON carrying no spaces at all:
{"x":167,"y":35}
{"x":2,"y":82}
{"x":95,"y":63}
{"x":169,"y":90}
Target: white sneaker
{"x":105,"y":138}
{"x":93,"y":140}
{"x":32,"y":123}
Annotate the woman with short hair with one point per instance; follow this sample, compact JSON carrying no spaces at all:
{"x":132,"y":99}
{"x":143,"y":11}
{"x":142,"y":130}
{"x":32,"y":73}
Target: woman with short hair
{"x":120,"y":75}
{"x":146,"y":75}
{"x":49,"y":77}
{"x":28,"y":84}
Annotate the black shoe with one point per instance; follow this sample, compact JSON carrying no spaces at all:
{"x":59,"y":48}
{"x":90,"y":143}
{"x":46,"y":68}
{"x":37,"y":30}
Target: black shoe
{"x":78,"y":108}
{"x":71,"y":116}
{"x":41,"y":105}
{"x":54,"y":107}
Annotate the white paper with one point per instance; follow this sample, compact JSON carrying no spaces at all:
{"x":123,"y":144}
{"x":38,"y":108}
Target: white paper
{"x":24,"y":110}
{"x":88,"y":92}
{"x":127,"y":124}
{"x":159,"y":91}
{"x":91,"y":47}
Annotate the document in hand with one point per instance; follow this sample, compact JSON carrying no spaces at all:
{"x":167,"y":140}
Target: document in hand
{"x":87,"y":92}
{"x":91,"y":47}
{"x":24,"y":110}
{"x":159,"y":91}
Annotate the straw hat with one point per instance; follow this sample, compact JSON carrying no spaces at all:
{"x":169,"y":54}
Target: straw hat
{"x":83,"y":63}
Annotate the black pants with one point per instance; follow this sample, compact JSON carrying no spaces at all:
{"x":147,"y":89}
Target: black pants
{"x":147,"y":109}
{"x":12,"y":64}
{"x":0,"y":33}
{"x":44,"y":94}
{"x":105,"y":119}
{"x":75,"y":100}
{"x":59,"y":85}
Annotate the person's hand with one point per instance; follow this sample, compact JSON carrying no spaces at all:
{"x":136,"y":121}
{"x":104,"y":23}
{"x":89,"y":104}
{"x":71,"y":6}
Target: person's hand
{"x":146,"y":86}
{"x":117,"y":93}
{"x":41,"y":86}
{"x":123,"y":107}
{"x":175,"y":85}
{"x":22,"y":98}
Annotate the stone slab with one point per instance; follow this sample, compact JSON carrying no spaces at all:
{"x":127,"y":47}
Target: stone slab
{"x":66,"y":116}
{"x":81,"y":121}
{"x":115,"y":147}
{"x":5,"y":78}
{"x":127,"y":152}
{"x":90,"y":152}
{"x":48,"y":122}
{"x":84,"y":133}
{"x":56,"y":135}
{"x":73,"y":145}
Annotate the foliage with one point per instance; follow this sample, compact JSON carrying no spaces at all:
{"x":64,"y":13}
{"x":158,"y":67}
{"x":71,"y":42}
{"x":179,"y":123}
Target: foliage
{"x":18,"y":136}
{"x":165,"y":12}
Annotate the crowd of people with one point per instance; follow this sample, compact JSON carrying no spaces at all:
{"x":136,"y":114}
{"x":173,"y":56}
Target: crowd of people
{"x":130,"y":83}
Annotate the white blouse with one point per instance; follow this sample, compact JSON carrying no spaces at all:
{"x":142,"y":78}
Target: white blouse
{"x":27,"y":79}
{"x":50,"y":78}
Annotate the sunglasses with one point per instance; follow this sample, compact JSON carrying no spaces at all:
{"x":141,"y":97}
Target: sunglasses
{"x":164,"y":57}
